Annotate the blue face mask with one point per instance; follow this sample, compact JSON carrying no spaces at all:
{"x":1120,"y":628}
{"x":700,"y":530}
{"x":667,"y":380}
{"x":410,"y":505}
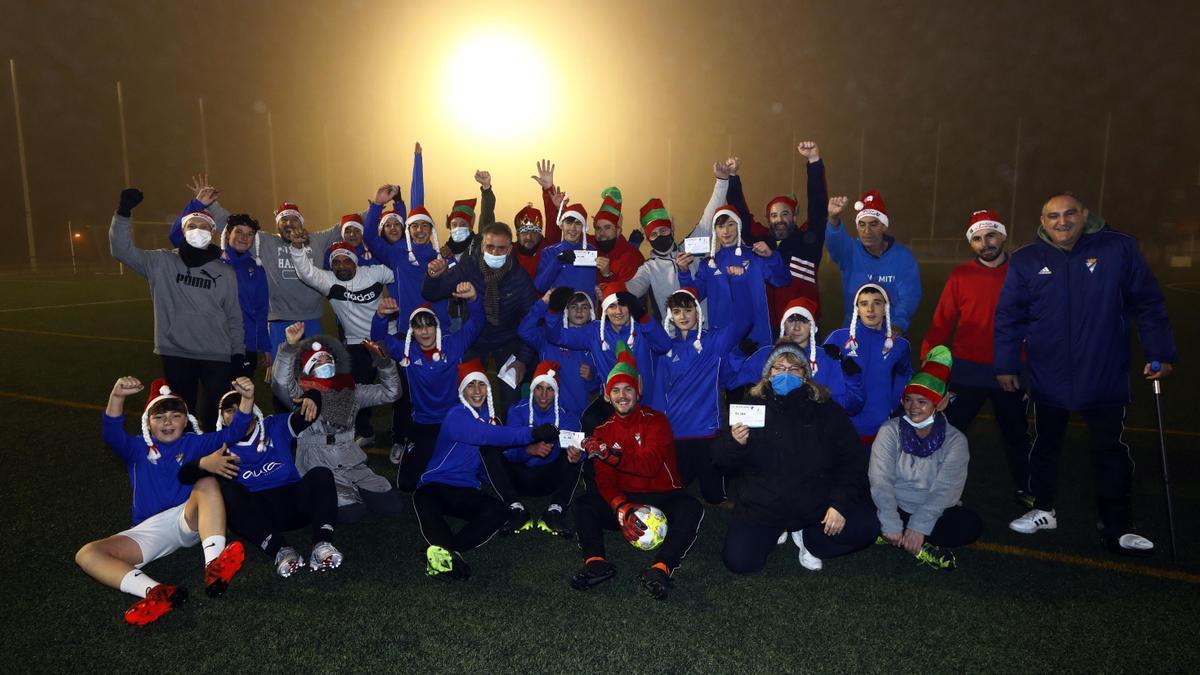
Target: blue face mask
{"x":494,"y":261}
{"x":325,"y":371}
{"x":785,"y":383}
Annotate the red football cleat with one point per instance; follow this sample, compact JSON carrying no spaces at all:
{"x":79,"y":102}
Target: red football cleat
{"x":158,"y":601}
{"x":219,"y":572}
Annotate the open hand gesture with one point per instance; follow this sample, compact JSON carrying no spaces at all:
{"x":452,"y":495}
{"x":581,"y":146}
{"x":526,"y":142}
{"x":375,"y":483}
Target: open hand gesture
{"x":221,"y":463}
{"x":545,"y":174}
{"x":204,"y":193}
{"x":558,"y":197}
{"x":307,"y":408}
{"x":836,"y":204}
{"x":385,"y":194}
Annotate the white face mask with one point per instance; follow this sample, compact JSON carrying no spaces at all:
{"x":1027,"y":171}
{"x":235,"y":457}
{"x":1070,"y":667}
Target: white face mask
{"x":494,"y":261}
{"x":325,"y":371}
{"x":198,"y":238}
{"x":460,"y":234}
{"x":919,"y":425}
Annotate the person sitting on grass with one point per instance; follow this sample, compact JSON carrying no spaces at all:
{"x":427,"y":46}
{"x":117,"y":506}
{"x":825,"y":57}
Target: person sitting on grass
{"x":167,"y":515}
{"x":428,"y":358}
{"x":633,"y":455}
{"x":537,"y":469}
{"x":802,"y":472}
{"x":323,"y":363}
{"x":452,"y":485}
{"x":918,"y":470}
{"x":265,"y":496}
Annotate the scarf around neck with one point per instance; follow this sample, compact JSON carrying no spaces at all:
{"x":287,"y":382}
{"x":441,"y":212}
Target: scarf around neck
{"x":491,"y":293}
{"x":912,"y":444}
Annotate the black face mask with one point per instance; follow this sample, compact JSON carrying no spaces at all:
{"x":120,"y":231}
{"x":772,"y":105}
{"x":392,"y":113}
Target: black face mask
{"x":662,"y":243}
{"x":606,"y":245}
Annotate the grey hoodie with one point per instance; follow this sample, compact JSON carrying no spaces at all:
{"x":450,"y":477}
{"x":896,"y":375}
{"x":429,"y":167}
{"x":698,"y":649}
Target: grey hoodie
{"x":922,"y":486}
{"x":196,"y":310}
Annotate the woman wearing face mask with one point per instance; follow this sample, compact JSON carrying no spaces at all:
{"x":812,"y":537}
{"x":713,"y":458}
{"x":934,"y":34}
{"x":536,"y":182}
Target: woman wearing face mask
{"x":198,"y":330}
{"x":918,"y":470}
{"x":802,"y":472}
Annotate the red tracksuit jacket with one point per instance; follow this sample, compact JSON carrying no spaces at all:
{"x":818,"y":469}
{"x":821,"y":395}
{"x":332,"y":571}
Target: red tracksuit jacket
{"x":642,"y":455}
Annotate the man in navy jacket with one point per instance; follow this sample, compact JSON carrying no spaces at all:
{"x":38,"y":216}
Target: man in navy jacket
{"x":1070,"y":297}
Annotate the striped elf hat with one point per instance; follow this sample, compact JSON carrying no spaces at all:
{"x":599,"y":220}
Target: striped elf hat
{"x":463,"y":208}
{"x":610,"y":210}
{"x":625,"y":371}
{"x":930,"y":380}
{"x":654,"y":214}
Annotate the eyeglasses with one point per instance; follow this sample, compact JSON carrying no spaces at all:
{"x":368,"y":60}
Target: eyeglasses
{"x":782,"y":368}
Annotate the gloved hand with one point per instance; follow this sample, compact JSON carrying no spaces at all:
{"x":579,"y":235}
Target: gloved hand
{"x":636,"y":309}
{"x":567,"y":257}
{"x":559,"y":298}
{"x":636,"y":238}
{"x":631,"y":526}
{"x":545,"y":433}
{"x":595,"y":448}
{"x":130,"y":197}
{"x":832,"y":351}
{"x":851,"y":368}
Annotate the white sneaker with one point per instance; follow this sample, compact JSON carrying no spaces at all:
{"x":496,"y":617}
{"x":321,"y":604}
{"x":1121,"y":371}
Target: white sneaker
{"x":324,"y":557}
{"x":807,"y":560}
{"x":396,"y":454}
{"x":783,"y":537}
{"x":1034,"y":520}
{"x":287,"y":561}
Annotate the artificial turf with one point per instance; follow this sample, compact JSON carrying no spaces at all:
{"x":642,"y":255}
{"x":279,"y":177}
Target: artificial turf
{"x":872,"y":611}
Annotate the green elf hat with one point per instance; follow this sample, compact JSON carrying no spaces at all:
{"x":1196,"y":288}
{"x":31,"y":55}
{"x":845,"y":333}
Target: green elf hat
{"x":654,"y":214}
{"x":930,"y":380}
{"x":610,"y":210}
{"x":625,"y":371}
{"x":463,"y":208}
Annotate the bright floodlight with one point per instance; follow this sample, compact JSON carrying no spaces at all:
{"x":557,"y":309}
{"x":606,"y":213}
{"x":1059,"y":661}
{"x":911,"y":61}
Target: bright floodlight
{"x":496,"y":86}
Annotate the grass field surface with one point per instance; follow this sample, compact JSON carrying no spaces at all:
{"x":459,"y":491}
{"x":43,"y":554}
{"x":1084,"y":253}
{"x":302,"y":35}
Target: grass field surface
{"x":1045,"y":602}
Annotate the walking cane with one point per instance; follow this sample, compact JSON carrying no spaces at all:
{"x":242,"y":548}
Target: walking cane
{"x":1162,"y":444}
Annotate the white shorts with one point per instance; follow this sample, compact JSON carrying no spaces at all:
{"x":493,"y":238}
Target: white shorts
{"x":162,"y":534}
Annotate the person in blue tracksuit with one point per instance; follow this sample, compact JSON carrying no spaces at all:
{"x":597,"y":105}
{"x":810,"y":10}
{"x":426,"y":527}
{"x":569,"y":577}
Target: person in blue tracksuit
{"x":451,"y":486}
{"x":759,"y":263}
{"x":557,"y":266}
{"x":622,"y":318}
{"x":875,"y":258}
{"x":1068,"y":299}
{"x":578,"y":378}
{"x":428,"y":358}
{"x":689,"y":375}
{"x":167,"y":515}
{"x":883,"y":359}
{"x":827,"y":366}
{"x":537,"y":469}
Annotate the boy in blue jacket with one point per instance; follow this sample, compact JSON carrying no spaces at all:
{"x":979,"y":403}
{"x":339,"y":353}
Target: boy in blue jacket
{"x":537,"y":469}
{"x":452,"y":485}
{"x":882,"y":358}
{"x":428,"y":359}
{"x":759,"y":263}
{"x":167,"y":515}
{"x":558,"y":265}
{"x":577,"y":379}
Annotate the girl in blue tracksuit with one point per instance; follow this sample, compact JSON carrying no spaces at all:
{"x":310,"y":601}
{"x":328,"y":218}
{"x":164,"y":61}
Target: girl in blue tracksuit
{"x":575,"y":391}
{"x":429,"y":374}
{"x":711,"y":279}
{"x":689,"y":375}
{"x":884,"y":360}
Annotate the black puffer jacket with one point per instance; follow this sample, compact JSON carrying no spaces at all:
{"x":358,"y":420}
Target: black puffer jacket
{"x":806,"y":459}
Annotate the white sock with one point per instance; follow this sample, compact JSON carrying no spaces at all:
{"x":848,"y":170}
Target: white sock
{"x":517,"y":505}
{"x":137,"y":582}
{"x":212,"y":547}
{"x":554,"y":507}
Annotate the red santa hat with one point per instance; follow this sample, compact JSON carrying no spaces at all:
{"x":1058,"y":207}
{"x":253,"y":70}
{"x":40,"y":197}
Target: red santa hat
{"x":871,"y":206}
{"x":351,"y":220}
{"x":288,"y":209}
{"x":309,"y":357}
{"x":160,"y":391}
{"x":419,"y":214}
{"x":424,"y":308}
{"x":472,"y":371}
{"x":575,"y":211}
{"x":787,"y":200}
{"x":528,"y":219}
{"x":726,"y":210}
{"x":986,"y":219}
{"x":341,"y":248}
{"x":668,"y":325}
{"x":808,"y":309}
{"x":200,"y":215}
{"x":608,"y":294}
{"x":851,"y":345}
{"x":390,"y":213}
{"x":546,"y":373}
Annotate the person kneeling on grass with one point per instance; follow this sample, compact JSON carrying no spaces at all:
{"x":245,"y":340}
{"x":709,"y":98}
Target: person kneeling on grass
{"x":167,"y":515}
{"x":635,"y":465}
{"x":265,"y":495}
{"x":452,"y":484}
{"x":322,"y":363}
{"x":918,"y":470}
{"x":803,"y":472}
{"x":537,"y":469}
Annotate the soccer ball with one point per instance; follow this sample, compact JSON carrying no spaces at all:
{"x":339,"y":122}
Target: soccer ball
{"x":655,"y":522}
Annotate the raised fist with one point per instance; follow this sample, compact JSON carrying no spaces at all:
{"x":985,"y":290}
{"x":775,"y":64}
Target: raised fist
{"x":484,"y":178}
{"x":130,"y":198}
{"x":810,"y":150}
{"x":388,"y":306}
{"x":127,"y":386}
{"x":294,"y":333}
{"x":836,"y":205}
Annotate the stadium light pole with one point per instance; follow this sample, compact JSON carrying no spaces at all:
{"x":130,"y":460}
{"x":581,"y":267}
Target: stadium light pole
{"x":12,"y":69}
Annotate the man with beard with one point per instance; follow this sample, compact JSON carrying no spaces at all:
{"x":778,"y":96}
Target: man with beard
{"x":197,"y":319}
{"x":528,"y":221}
{"x":800,"y":245}
{"x":619,"y":258}
{"x":354,"y":292}
{"x":967,"y":308}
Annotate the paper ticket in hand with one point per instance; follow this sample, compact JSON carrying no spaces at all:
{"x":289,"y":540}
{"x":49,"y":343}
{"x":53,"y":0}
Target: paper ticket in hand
{"x":697,"y":246}
{"x":570,"y":439}
{"x":507,"y":373}
{"x":753,"y":416}
{"x":586,"y":258}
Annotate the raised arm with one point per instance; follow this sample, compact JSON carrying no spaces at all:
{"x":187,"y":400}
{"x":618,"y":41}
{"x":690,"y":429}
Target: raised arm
{"x":322,"y":280}
{"x":719,"y":195}
{"x":487,"y":214}
{"x":838,"y":241}
{"x":416,"y":191}
{"x":545,"y":179}
{"x":816,"y":187}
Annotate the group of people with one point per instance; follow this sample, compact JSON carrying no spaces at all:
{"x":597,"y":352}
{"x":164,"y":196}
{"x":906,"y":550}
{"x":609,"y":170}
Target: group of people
{"x":552,"y":360}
